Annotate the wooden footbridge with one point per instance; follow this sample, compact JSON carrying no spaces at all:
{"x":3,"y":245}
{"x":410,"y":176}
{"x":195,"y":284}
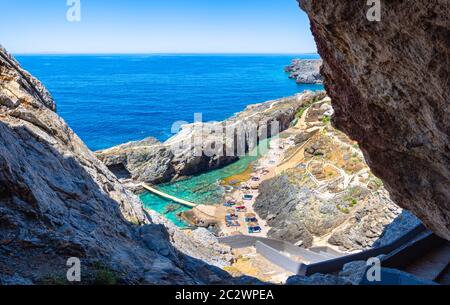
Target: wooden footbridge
{"x":167,"y":196}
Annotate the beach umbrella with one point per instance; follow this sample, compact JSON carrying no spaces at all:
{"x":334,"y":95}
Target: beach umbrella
{"x":250,"y":215}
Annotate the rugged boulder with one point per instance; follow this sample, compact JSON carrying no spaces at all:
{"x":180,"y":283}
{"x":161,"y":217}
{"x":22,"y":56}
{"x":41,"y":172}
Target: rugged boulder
{"x":389,"y":83}
{"x":57,"y":201}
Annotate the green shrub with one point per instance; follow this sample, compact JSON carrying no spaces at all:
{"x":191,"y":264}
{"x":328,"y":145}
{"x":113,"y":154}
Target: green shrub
{"x":326,"y":119}
{"x":345,"y":210}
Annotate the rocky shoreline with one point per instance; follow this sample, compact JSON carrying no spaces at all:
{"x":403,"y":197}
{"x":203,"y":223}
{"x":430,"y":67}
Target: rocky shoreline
{"x":349,"y":210}
{"x":305,"y":71}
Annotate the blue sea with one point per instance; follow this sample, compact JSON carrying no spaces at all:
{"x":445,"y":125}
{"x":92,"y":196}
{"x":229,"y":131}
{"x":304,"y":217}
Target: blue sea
{"x":112,"y":99}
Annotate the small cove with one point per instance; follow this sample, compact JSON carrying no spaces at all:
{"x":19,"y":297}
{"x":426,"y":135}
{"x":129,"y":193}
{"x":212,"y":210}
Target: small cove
{"x":206,"y":188}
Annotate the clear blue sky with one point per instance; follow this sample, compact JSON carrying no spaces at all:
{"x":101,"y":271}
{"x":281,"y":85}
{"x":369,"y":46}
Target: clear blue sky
{"x":156,"y":26}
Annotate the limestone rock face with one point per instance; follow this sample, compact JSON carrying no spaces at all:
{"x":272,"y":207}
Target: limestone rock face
{"x":57,"y":200}
{"x":278,"y":202}
{"x":389,"y":83}
{"x":30,"y":83}
{"x":199,"y":243}
{"x":154,"y":162}
{"x":377,"y":223}
{"x":145,"y":160}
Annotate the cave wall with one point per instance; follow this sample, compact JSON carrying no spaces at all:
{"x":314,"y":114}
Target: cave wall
{"x":389,"y":82}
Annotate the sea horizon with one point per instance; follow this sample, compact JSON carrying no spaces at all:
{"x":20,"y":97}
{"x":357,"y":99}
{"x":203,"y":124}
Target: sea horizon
{"x":165,"y":54}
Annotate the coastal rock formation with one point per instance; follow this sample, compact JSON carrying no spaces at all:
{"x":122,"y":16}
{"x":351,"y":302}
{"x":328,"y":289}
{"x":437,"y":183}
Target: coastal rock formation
{"x":154,"y":162}
{"x":389,"y":82}
{"x":277,"y":202}
{"x":354,"y":273}
{"x":305,"y":71}
{"x":296,"y":215}
{"x":57,"y":201}
{"x":147,"y":160}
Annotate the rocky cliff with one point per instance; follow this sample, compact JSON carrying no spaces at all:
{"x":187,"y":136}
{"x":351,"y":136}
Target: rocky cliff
{"x":57,"y":200}
{"x":305,"y":71}
{"x":154,"y":162}
{"x":389,"y":82}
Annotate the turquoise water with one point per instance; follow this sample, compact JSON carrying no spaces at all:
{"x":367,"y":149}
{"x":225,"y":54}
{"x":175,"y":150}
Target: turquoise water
{"x":201,"y":189}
